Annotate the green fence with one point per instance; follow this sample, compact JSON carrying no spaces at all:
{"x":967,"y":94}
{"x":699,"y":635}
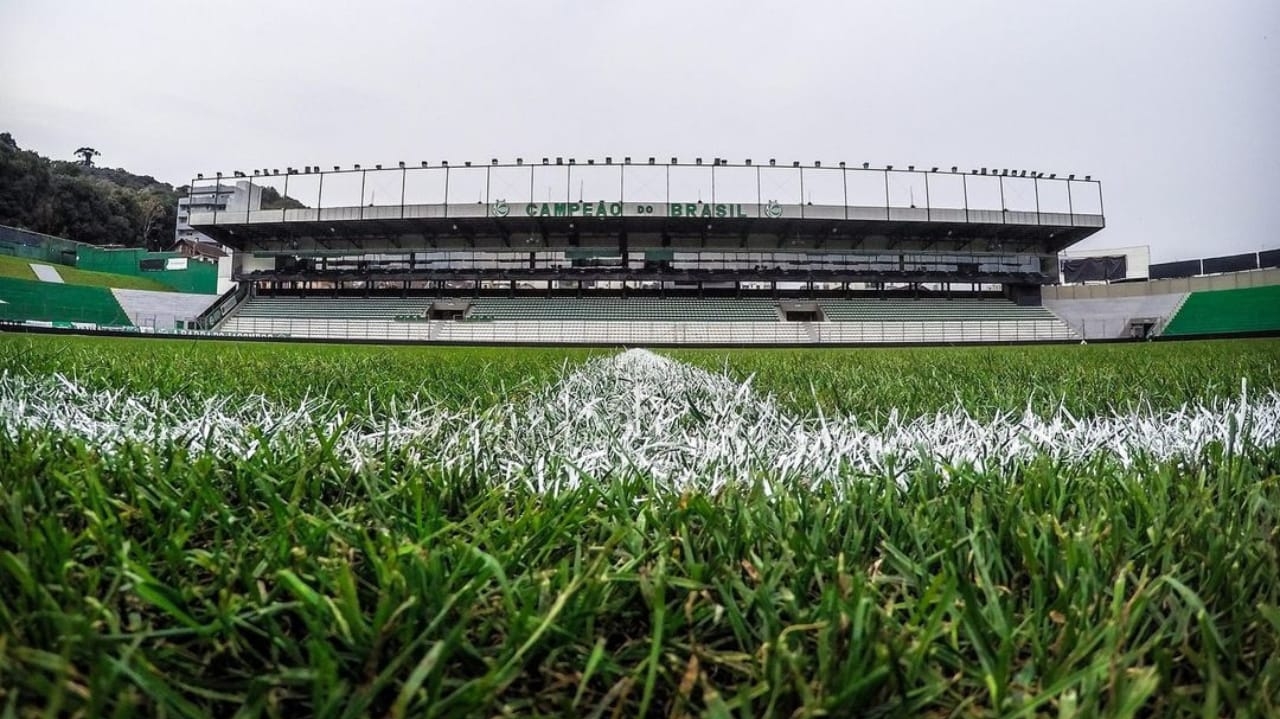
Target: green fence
{"x":198,"y":277}
{"x":52,"y":302}
{"x":1248,"y":309}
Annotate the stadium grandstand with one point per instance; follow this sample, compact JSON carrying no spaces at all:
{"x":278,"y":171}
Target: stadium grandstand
{"x":711,"y":252}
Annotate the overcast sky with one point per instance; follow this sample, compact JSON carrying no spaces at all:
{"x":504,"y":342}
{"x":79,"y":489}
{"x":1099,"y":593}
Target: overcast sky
{"x":1174,"y":105}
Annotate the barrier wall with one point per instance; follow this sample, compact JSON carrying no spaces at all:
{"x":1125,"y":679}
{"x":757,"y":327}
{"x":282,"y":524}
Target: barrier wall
{"x":1254,"y":278}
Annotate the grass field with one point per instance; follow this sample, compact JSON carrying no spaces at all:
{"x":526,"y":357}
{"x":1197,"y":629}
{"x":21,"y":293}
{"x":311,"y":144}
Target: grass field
{"x":20,"y":268}
{"x":259,"y":529}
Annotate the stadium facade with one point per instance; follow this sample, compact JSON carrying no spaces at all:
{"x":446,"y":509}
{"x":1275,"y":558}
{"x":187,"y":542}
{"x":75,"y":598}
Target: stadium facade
{"x":792,"y":240}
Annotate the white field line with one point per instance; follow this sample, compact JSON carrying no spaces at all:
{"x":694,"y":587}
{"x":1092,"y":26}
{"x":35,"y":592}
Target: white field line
{"x":634,"y":413}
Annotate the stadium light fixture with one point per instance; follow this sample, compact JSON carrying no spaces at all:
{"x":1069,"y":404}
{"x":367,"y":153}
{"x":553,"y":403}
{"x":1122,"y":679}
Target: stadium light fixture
{"x":675,"y":161}
{"x":1088,"y":178}
{"x":559,"y":160}
{"x":772,"y":162}
{"x":356,"y":166}
{"x":842,"y":164}
{"x":1053,"y":175}
{"x":337,"y":168}
{"x":817,"y":163}
{"x":494,"y":161}
{"x":953,"y":168}
{"x":572,"y":161}
{"x":697,"y":161}
{"x":626,"y":160}
{"x":911,"y":168}
{"x":888,"y":167}
{"x":1071,"y":177}
{"x":608,"y":160}
{"x":255,"y":173}
{"x":402,"y":164}
{"x":519,"y":160}
{"x":467,"y":163}
{"x":973,"y":172}
{"x":219,"y":174}
{"x":866,"y":165}
{"x":199,"y":176}
{"x":934,"y":169}
{"x":652,"y":160}
{"x":984,"y":170}
{"x":590,"y":161}
{"x":424,"y":163}
{"x":377,"y":167}
{"x":795,"y":163}
{"x":748,"y":162}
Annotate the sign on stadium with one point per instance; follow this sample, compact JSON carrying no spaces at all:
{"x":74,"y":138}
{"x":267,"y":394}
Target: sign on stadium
{"x":602,"y":208}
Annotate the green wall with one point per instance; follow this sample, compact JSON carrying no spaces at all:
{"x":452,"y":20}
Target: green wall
{"x":199,"y":277}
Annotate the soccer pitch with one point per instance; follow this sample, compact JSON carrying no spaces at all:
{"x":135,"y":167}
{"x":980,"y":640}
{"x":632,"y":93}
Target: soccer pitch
{"x":195,"y":528}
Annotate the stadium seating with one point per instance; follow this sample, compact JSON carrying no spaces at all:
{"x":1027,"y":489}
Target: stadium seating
{"x":1248,"y":309}
{"x":637,"y":320}
{"x":23,"y":300}
{"x":928,"y":309}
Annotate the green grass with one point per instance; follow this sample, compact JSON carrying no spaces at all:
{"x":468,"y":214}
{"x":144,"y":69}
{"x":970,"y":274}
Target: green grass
{"x":159,"y":580}
{"x":20,"y":268}
{"x":1086,"y":379}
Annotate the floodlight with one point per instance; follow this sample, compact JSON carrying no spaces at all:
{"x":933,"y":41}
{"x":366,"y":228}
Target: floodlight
{"x":199,"y":176}
{"x":748,"y":161}
{"x":467,"y":163}
{"x":356,"y":166}
{"x":1071,"y":177}
{"x":626,"y":160}
{"x":377,"y":167}
{"x":911,"y":168}
{"x":1053,"y":175}
{"x":590,"y":161}
{"x":572,"y":161}
{"x":933,"y":169}
{"x":698,"y":161}
{"x":402,"y":164}
{"x":336,"y":168}
{"x":817,"y":163}
{"x":219,"y":174}
{"x":953,"y":168}
{"x":772,"y":162}
{"x":608,"y":160}
{"x":888,"y":167}
{"x":255,"y":173}
{"x":494,"y":161}
{"x":984,"y":170}
{"x":842,"y":164}
{"x":675,"y":161}
{"x":795,"y":163}
{"x":651,"y":160}
{"x":519,"y":160}
{"x":559,"y":160}
{"x":1088,"y":178}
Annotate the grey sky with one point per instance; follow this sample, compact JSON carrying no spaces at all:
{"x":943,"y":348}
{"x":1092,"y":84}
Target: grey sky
{"x":1174,"y":105}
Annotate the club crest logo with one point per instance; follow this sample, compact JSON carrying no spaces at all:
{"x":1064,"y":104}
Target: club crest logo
{"x":500,"y":208}
{"x":773,"y":209}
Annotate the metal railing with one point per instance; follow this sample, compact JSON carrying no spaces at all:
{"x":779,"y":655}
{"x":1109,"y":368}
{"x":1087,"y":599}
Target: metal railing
{"x":676,"y":333}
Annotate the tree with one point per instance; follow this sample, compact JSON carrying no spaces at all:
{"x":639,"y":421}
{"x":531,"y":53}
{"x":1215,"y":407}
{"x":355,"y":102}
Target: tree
{"x":86,"y":155}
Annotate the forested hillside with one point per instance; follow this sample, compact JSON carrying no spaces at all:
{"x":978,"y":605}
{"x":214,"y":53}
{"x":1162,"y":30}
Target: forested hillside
{"x":76,"y":200}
